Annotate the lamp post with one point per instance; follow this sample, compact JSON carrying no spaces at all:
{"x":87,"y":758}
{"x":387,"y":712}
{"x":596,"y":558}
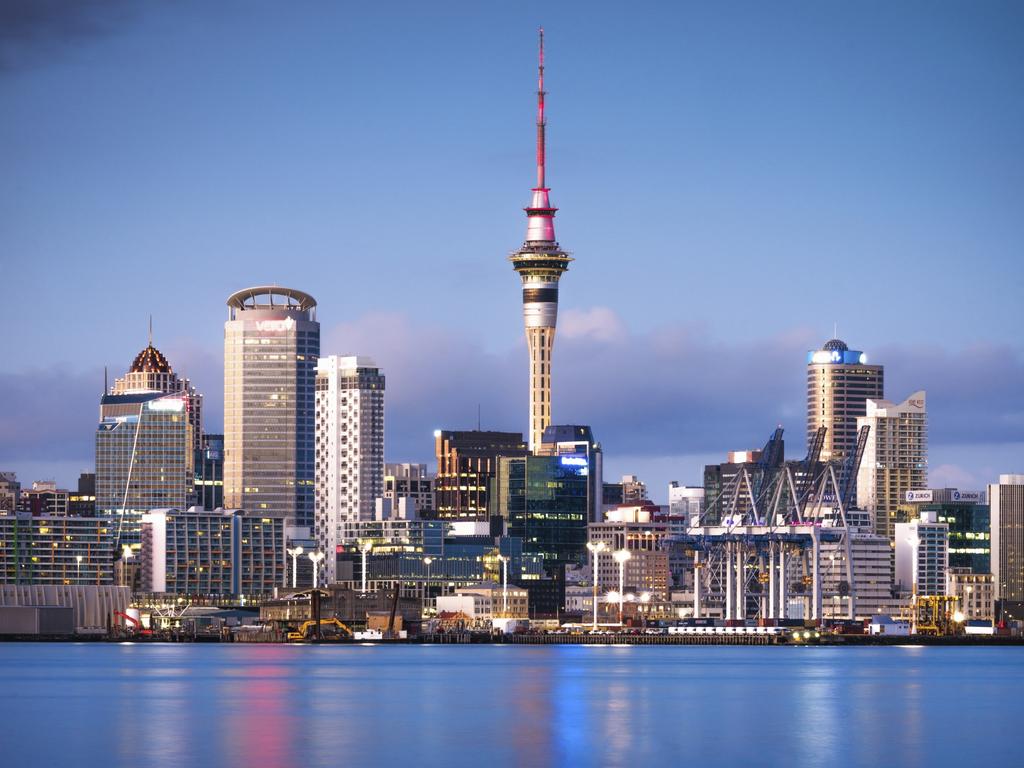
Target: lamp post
{"x":504,"y":585}
{"x":621,"y":556}
{"x":295,"y":552}
{"x":426,"y":586}
{"x":596,"y":548}
{"x":316,"y":558}
{"x":78,"y":559}
{"x":365,"y":548}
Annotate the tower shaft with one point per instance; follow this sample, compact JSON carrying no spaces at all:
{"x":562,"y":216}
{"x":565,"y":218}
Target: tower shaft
{"x":540,"y":262}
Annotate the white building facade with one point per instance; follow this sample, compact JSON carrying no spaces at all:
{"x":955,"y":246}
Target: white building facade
{"x":349,"y":447}
{"x":895,"y":459}
{"x":922,"y":556}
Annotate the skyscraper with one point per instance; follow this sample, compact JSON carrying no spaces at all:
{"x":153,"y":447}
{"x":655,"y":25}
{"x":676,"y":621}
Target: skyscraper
{"x":349,"y":447}
{"x":895,"y":460}
{"x":839,"y":384}
{"x":1006,"y":502}
{"x":151,"y":372}
{"x":540,"y":262}
{"x":466,"y":465}
{"x":271,"y":345}
{"x":145,"y":444}
{"x":144,"y":459}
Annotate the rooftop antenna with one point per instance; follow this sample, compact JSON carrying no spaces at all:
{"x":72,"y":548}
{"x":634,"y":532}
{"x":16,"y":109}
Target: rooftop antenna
{"x":835,"y":330}
{"x":540,"y":115}
{"x":105,"y":384}
{"x":151,"y":330}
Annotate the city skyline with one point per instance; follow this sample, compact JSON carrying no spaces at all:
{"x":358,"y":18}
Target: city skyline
{"x":671,"y":323}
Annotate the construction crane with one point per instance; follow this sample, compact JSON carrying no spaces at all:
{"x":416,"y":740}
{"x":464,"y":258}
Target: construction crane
{"x":852,"y":465}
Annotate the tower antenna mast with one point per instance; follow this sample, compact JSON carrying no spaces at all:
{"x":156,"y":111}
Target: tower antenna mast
{"x":540,"y":114}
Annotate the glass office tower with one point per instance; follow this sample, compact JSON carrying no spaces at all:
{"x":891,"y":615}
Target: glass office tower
{"x":271,"y":347}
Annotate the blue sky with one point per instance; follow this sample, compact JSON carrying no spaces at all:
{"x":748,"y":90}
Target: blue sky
{"x":732,"y":178}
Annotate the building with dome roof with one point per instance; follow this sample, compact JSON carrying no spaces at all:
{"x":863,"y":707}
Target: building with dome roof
{"x":839,"y":383}
{"x":151,"y":372}
{"x":149,"y":433}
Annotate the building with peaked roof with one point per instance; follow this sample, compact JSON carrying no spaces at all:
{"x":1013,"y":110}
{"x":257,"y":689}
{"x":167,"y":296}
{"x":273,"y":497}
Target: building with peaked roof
{"x":150,"y":371}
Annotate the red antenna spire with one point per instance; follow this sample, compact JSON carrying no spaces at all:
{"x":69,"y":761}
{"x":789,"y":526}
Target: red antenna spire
{"x":540,"y":115}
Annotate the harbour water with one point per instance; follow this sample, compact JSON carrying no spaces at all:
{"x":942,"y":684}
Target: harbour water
{"x":275,"y":705}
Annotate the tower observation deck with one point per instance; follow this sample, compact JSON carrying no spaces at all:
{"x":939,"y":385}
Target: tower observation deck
{"x":540,"y":262}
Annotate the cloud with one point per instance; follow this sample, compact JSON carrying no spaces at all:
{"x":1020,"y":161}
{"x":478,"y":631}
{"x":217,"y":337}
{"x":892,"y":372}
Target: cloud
{"x":597,"y":323}
{"x":671,"y":397}
{"x":31,"y":30}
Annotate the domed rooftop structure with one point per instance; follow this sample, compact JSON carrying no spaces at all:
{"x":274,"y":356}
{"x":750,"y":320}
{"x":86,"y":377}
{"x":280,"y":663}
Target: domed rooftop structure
{"x":150,"y":360}
{"x":835,"y":345}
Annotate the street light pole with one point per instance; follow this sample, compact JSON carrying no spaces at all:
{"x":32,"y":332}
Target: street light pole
{"x":295,"y":552}
{"x":315,"y":558}
{"x":621,"y":556}
{"x":426,"y":586}
{"x":596,"y":548}
{"x":365,"y":548}
{"x":504,"y":585}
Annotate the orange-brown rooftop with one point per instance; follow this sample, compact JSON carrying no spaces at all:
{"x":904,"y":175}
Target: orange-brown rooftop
{"x":150,"y":360}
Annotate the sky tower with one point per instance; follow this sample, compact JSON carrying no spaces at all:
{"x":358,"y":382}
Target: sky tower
{"x":540,"y":261}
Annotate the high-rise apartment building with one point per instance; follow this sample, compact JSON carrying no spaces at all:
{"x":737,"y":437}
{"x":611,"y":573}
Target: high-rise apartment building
{"x":1006,"y":504}
{"x":349,"y":446}
{"x":466,"y":463}
{"x":839,"y":383}
{"x":895,"y":459}
{"x":144,"y":455}
{"x":922,"y":555}
{"x":271,"y":347}
{"x":540,"y":262}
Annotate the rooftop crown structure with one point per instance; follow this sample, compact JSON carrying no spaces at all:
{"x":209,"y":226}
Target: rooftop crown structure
{"x":540,"y":262}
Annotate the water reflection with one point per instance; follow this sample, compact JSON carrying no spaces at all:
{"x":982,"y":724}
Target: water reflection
{"x":505,"y":706}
